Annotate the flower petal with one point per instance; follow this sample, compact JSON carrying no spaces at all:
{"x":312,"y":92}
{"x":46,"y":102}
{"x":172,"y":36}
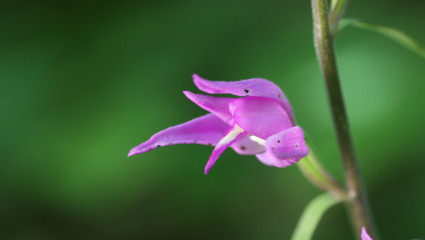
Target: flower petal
{"x":246,"y":146}
{"x":234,"y":135}
{"x":218,"y":106}
{"x":250,"y":87}
{"x":205,"y":130}
{"x":285,"y":148}
{"x":288,"y":144}
{"x":260,"y":116}
{"x":365,"y":235}
{"x":268,"y":158}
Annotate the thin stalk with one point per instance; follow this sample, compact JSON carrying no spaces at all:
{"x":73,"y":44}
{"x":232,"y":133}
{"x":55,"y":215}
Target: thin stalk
{"x":318,"y":176}
{"x":358,"y":205}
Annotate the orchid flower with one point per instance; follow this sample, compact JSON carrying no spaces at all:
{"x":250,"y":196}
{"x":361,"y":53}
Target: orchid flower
{"x":260,"y":122}
{"x":365,"y":235}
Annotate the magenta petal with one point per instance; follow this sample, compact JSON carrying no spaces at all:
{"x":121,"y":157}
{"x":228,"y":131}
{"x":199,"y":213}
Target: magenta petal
{"x":365,"y":235}
{"x":250,"y":87}
{"x":260,"y":116}
{"x":284,"y":148}
{"x":218,"y":106}
{"x":288,"y":146}
{"x":232,"y":136}
{"x":245,"y":146}
{"x":268,"y":158}
{"x":206,"y":130}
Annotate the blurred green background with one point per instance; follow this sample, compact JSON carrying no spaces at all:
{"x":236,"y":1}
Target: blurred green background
{"x":82,"y":82}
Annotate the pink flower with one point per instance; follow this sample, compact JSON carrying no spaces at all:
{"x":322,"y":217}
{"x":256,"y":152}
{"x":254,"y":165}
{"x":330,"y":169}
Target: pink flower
{"x":365,"y":235}
{"x":260,"y":122}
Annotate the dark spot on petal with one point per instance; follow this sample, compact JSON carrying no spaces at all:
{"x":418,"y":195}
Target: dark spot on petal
{"x":243,"y":148}
{"x":278,"y":95}
{"x":246,"y":91}
{"x":158,"y":145}
{"x":278,"y":141}
{"x":296,"y":145}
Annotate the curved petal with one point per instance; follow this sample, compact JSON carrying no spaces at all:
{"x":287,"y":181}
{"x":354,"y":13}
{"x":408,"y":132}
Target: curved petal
{"x":232,"y":136}
{"x":365,"y":235}
{"x":260,"y":116}
{"x":218,"y":106}
{"x":251,"y":87}
{"x":285,"y":148}
{"x":205,"y":130}
{"x":268,"y":158}
{"x":246,"y":146}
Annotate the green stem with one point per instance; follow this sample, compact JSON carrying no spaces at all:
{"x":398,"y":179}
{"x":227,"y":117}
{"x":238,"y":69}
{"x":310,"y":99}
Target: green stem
{"x":358,"y":204}
{"x":317,"y":175}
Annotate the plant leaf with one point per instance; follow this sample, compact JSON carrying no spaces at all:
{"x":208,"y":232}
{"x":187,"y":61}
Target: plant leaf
{"x":396,"y":35}
{"x":312,"y":215}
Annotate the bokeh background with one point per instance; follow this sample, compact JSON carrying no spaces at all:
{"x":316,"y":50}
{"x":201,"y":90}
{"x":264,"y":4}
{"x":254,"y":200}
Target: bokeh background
{"x":82,"y":82}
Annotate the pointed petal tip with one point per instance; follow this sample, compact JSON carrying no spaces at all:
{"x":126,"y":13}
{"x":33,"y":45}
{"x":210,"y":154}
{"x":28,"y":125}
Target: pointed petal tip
{"x":194,"y":75}
{"x":207,"y":170}
{"x":219,"y":106}
{"x":200,"y":82}
{"x":365,"y":235}
{"x":209,"y":166}
{"x":196,"y":78}
{"x":132,"y":152}
{"x":141,"y":148}
{"x":188,"y":94}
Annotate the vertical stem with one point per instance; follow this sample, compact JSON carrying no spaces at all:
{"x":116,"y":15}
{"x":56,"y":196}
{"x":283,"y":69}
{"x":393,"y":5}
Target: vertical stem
{"x":358,"y":205}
